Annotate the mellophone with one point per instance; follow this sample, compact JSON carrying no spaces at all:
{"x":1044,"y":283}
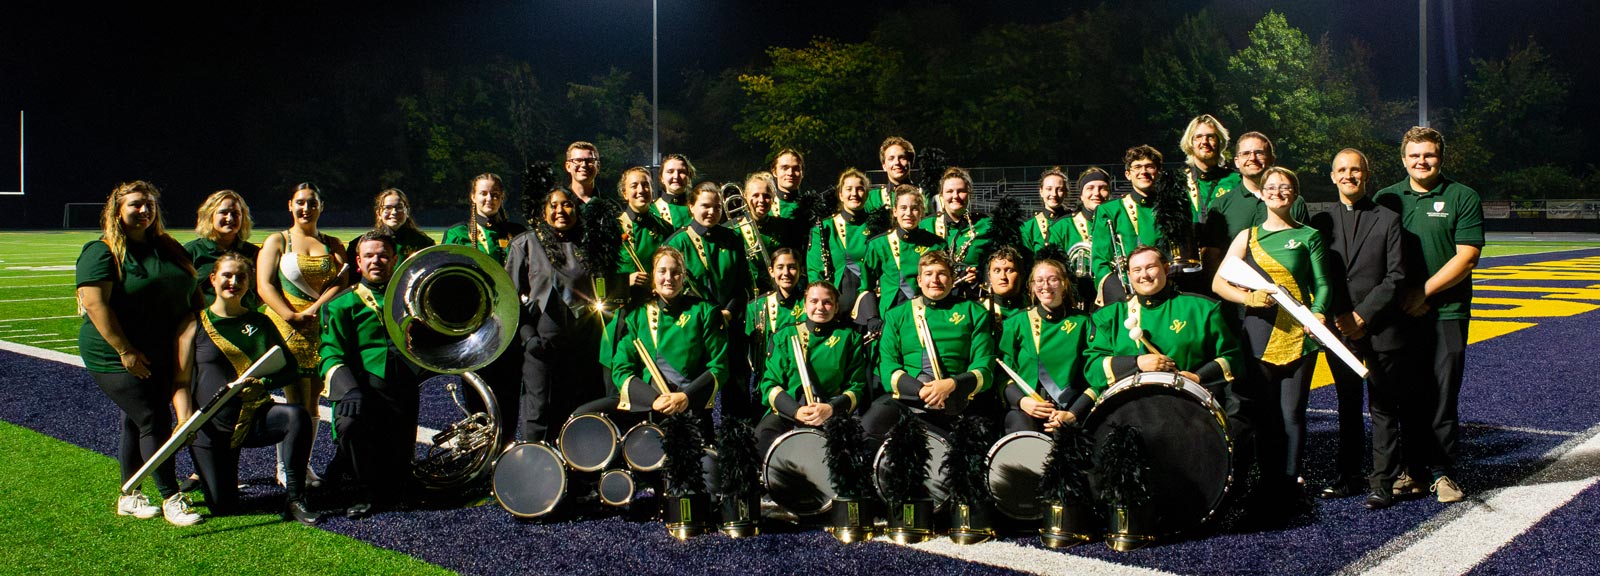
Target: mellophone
{"x":1184,"y":429}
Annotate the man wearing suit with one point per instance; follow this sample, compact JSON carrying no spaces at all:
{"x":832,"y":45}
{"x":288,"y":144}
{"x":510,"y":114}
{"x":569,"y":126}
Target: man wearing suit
{"x":1364,"y":248}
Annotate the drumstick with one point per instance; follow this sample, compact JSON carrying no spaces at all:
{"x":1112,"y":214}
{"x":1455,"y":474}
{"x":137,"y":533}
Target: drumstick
{"x":650,"y":365}
{"x":805,"y":372}
{"x":1022,"y":383}
{"x":1137,"y":333}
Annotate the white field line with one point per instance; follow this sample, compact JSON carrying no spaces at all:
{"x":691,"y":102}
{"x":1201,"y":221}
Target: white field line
{"x":53,"y":340}
{"x":33,"y":285}
{"x":1026,"y":559}
{"x":39,"y":299}
{"x":40,"y":318}
{"x":3,"y":276}
{"x":1456,"y":541}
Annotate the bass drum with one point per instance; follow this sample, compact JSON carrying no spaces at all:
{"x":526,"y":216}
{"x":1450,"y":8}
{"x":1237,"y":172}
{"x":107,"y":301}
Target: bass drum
{"x":530,"y":479}
{"x":937,"y":448}
{"x":1185,"y":441}
{"x":641,"y":448}
{"x":1015,"y":465}
{"x":796,"y":472}
{"x":589,"y":442}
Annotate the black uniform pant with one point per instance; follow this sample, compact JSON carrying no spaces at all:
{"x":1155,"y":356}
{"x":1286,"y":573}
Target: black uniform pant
{"x":1439,"y":348}
{"x":771,"y":427}
{"x":1285,"y":390}
{"x":885,"y":413}
{"x":504,"y":377}
{"x":217,"y":460}
{"x":1384,"y":388}
{"x":377,"y":433}
{"x":626,"y":420}
{"x":146,"y":406}
{"x":1018,"y":421}
{"x":558,"y":376}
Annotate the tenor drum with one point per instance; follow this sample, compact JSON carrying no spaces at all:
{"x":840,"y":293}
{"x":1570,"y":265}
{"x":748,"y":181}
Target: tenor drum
{"x":616,"y":487}
{"x":796,"y":472}
{"x":589,"y":442}
{"x":1015,"y":465}
{"x":1185,"y":441}
{"x":937,"y":448}
{"x":530,"y":479}
{"x":641,"y":448}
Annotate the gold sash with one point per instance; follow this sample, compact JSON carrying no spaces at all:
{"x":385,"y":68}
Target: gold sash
{"x":251,"y":398}
{"x":1287,"y":342}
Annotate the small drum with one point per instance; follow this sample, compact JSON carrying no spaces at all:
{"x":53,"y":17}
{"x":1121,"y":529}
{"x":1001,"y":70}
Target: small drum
{"x":530,"y":478}
{"x":796,"y":472}
{"x":589,"y":442}
{"x":1185,"y":441}
{"x":616,"y":487}
{"x":1016,"y":464}
{"x":937,"y":448}
{"x":641,"y":448}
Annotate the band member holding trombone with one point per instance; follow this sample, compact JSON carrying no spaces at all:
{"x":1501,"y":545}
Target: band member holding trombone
{"x":817,"y":370}
{"x":232,"y":337}
{"x":1045,"y":347}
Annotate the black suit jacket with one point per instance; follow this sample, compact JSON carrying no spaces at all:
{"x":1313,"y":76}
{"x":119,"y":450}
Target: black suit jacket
{"x":1368,"y":270}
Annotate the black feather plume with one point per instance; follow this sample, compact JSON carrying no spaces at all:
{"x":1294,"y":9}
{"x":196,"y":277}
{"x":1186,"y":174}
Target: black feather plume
{"x":537,"y":181}
{"x":1052,"y":252}
{"x":1005,"y":228}
{"x":680,"y":440}
{"x":965,"y":474}
{"x":880,"y":220}
{"x":602,"y":234}
{"x":1121,"y":467}
{"x":930,"y":164}
{"x":813,"y":206}
{"x":849,"y":463}
{"x":738,"y":466}
{"x":1174,"y":216}
{"x":1066,"y":469}
{"x":906,"y":458}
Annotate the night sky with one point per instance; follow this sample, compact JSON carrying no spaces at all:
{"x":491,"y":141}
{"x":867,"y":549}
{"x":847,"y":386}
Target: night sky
{"x":161,"y":93}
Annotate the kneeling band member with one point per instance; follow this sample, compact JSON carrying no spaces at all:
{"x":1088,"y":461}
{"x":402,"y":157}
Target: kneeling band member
{"x":372,"y":385}
{"x":1046,"y":347}
{"x":935,"y":354}
{"x":231,"y":338}
{"x":817,"y":369}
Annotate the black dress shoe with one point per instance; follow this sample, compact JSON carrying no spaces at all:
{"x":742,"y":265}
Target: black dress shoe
{"x":190,"y":484}
{"x":358,"y":510}
{"x":1378,"y":498}
{"x":304,"y":514}
{"x":1339,"y":490}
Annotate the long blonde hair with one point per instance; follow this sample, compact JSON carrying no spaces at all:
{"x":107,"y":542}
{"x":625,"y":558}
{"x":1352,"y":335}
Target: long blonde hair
{"x":116,"y":239}
{"x":203,"y":226}
{"x":473,"y":231}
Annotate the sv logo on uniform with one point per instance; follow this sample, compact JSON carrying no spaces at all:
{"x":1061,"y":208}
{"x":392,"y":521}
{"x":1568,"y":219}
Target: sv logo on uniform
{"x":1177,"y":326}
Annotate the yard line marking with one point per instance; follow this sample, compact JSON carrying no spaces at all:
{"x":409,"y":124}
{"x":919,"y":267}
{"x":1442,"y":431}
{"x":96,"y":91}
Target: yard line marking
{"x":1027,"y":559}
{"x":37,"y":319}
{"x":3,"y":276}
{"x":1458,"y":539}
{"x":1522,"y":429}
{"x":39,"y":299}
{"x":33,"y":285}
{"x":55,"y":340}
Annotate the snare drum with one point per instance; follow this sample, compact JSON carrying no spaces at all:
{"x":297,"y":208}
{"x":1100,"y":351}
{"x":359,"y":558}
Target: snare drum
{"x":641,"y":448}
{"x":1185,"y":441}
{"x":616,"y":487}
{"x":937,"y":448}
{"x":530,"y":479}
{"x":1015,"y":465}
{"x":796,"y":472}
{"x":589,"y":442}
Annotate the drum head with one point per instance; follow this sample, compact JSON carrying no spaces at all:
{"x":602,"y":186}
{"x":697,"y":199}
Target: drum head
{"x":529,"y":480}
{"x":1015,"y":466}
{"x":589,"y":442}
{"x":616,"y":487}
{"x":937,"y":448}
{"x":1186,"y":446}
{"x":641,"y":448}
{"x":796,"y":473}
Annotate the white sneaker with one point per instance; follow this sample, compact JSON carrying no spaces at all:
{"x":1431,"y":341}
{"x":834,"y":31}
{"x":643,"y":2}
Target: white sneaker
{"x":180,"y":511}
{"x":135,"y":504}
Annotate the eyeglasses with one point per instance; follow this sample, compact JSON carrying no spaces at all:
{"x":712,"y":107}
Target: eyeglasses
{"x":584,"y":161}
{"x":1279,"y":188}
{"x":1047,"y":281}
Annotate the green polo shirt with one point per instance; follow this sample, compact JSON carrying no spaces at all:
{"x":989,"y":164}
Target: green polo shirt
{"x":204,"y":253}
{"x":150,"y":296}
{"x":1435,"y":222}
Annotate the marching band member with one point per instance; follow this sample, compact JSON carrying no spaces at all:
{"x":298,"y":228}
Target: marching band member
{"x":935,"y":355}
{"x":642,"y":228}
{"x":760,"y":228}
{"x":392,"y":212}
{"x":891,"y":261}
{"x":1133,"y":219}
{"x":677,"y":179}
{"x":561,"y":322}
{"x":715,"y":268}
{"x":222,"y":225}
{"x":835,"y":362}
{"x":1290,"y":254}
{"x":232,"y":337}
{"x":788,"y":170}
{"x":1234,"y":211}
{"x":965,"y":238}
{"x":1006,"y":297}
{"x":136,"y":288}
{"x":373,"y":387}
{"x":1094,"y":189}
{"x":838,"y":245}
{"x":770,"y":312}
{"x":297,"y":274}
{"x":895,"y":156}
{"x":489,"y":230}
{"x":1054,"y":224}
{"x":583,"y":171}
{"x":1204,"y":144}
{"x":1047,"y":346}
{"x":671,"y":354}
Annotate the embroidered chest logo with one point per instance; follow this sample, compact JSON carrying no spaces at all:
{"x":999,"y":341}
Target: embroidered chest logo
{"x":921,"y":249}
{"x":683,"y":320}
{"x":1177,"y":326}
{"x":1068,"y":326}
{"x":956,"y":318}
{"x":834,"y":339}
{"x":798,"y":309}
{"x":1438,"y":210}
{"x":249,"y":329}
{"x":1292,"y":244}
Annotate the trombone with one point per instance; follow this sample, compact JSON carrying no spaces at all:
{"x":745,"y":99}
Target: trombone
{"x":736,"y":210}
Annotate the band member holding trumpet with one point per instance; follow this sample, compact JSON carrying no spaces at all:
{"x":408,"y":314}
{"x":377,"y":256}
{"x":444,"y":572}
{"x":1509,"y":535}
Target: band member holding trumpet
{"x":966,"y":239}
{"x":935,"y":356}
{"x":1125,"y":224}
{"x":1046,"y":347}
{"x":817,"y":369}
{"x":838,"y":248}
{"x":1290,"y":254}
{"x":671,"y":354}
{"x":231,"y":337}
{"x":373,"y":387}
{"x":892,"y":257}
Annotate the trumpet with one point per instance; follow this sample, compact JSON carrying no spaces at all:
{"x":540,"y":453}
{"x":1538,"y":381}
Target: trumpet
{"x":1119,"y":259}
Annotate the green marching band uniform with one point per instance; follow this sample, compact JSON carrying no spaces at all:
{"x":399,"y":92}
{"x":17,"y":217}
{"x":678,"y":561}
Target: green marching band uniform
{"x":715,"y":265}
{"x":408,"y":241}
{"x":1048,"y":349}
{"x":1293,"y":259}
{"x":1135,"y":223}
{"x":496,"y":237}
{"x":203,"y":252}
{"x":674,"y":214}
{"x":1190,"y":329}
{"x":1063,"y":229}
{"x":764,"y":317}
{"x":891,"y":268}
{"x":966,"y":241}
{"x":963,"y":350}
{"x":847,"y":236}
{"x":1003,"y":309}
{"x":1236,"y":209}
{"x":881,"y":197}
{"x":1205,"y":187}
{"x":642,"y":233}
{"x":687,"y":341}
{"x":838,"y":362}
{"x":756,"y":261}
{"x":373,"y":387}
